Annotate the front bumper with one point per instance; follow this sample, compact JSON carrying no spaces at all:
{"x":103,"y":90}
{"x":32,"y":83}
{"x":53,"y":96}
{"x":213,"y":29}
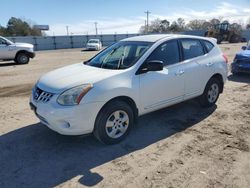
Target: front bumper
{"x":31,"y":54}
{"x":92,"y":47}
{"x":67,"y":120}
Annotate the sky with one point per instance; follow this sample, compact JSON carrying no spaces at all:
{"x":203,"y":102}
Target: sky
{"x":117,"y":16}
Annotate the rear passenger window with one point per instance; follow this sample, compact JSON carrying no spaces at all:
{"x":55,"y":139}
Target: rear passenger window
{"x":209,"y":46}
{"x":167,"y":52}
{"x":191,"y":48}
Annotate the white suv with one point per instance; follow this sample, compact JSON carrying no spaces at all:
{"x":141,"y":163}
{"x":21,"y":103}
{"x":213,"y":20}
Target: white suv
{"x":19,"y":52}
{"x":135,"y":76}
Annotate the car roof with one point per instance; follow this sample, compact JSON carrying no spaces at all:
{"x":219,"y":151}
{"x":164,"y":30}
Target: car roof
{"x":95,"y":39}
{"x":157,"y":37}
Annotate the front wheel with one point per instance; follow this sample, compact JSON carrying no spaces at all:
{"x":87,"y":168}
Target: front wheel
{"x":114,"y":122}
{"x":22,"y":58}
{"x":211,"y":93}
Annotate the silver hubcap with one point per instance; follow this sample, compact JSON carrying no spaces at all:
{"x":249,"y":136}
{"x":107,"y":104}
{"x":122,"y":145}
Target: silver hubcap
{"x":23,"y":59}
{"x":117,"y":124}
{"x":213,"y":93}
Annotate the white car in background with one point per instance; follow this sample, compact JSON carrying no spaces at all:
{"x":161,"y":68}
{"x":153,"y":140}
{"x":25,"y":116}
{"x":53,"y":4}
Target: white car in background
{"x":19,"y":52}
{"x":94,"y":44}
{"x":135,"y":76}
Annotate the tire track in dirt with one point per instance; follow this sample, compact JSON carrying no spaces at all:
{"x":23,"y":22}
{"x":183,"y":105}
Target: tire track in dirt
{"x":16,"y":90}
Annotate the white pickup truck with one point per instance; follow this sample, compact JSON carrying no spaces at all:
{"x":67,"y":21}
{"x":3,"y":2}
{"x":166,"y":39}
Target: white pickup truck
{"x":19,"y":52}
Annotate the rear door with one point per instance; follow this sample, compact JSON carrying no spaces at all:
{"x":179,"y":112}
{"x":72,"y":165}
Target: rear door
{"x":193,"y":57}
{"x":195,"y":72}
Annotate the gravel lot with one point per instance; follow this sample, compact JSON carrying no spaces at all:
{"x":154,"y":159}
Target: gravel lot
{"x":181,"y":146}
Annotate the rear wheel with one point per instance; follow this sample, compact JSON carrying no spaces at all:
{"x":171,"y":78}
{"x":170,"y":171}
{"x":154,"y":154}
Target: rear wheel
{"x":211,"y":93}
{"x":114,"y":122}
{"x":22,"y":58}
{"x":235,"y":39}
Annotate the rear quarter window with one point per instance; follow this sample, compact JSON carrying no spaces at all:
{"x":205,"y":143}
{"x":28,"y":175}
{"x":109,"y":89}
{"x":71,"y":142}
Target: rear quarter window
{"x":191,"y":48}
{"x":208,"y":45}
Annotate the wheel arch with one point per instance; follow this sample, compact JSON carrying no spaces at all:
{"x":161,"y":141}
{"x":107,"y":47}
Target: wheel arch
{"x":219,"y":77}
{"x":22,"y":51}
{"x":127,"y":100}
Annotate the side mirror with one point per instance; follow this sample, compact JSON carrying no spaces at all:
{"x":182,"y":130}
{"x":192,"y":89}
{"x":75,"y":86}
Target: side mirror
{"x":243,"y":47}
{"x":153,"y":65}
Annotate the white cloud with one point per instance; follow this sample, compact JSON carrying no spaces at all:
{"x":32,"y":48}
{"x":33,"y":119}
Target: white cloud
{"x":224,"y":10}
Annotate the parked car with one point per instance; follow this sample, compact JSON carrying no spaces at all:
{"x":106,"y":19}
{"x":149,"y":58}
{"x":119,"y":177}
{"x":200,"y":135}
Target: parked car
{"x":106,"y":94}
{"x":94,"y":44}
{"x":19,"y":52}
{"x":241,"y":63}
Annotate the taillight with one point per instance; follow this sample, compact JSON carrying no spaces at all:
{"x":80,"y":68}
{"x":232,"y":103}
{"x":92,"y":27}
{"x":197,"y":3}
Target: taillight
{"x":225,"y":57}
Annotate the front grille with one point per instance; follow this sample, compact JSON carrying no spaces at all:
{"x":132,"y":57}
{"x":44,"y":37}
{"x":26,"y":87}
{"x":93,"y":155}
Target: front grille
{"x":40,"y":95}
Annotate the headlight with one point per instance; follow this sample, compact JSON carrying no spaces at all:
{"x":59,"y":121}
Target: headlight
{"x":74,"y":95}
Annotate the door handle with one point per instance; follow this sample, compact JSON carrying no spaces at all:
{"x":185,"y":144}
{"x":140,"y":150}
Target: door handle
{"x":179,"y":73}
{"x":209,"y":64}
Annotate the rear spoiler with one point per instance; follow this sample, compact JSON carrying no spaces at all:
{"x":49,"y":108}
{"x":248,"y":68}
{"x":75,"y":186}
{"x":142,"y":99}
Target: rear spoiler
{"x":213,"y":39}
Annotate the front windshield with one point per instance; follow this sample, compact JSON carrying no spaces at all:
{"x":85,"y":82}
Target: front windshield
{"x":93,"y":41}
{"x":121,"y":55}
{"x":6,"y":40}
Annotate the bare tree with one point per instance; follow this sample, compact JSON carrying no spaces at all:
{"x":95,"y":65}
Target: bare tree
{"x":248,"y":23}
{"x":181,"y":24}
{"x":214,"y":21}
{"x":196,"y":24}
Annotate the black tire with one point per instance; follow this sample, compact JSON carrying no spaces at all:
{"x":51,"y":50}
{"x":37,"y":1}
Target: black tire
{"x":22,"y":58}
{"x":235,"y":73}
{"x":206,"y":99}
{"x":219,"y":39}
{"x":101,"y":131}
{"x":235,"y":39}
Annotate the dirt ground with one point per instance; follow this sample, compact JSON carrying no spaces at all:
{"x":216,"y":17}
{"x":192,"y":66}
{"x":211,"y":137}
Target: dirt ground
{"x":181,"y":146}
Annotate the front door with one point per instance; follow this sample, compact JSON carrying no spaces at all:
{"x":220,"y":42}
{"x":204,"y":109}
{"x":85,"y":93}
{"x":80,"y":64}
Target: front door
{"x":163,"y":88}
{"x":6,"y":50}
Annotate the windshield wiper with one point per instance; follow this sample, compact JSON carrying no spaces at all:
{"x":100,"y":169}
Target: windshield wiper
{"x":113,"y":51}
{"x":120,"y":62}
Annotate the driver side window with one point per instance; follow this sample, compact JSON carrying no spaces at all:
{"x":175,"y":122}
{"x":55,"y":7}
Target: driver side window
{"x":2,"y":42}
{"x":167,"y":52}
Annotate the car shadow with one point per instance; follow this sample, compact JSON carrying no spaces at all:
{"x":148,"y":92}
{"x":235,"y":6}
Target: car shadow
{"x":242,"y":77}
{"x":89,"y":50}
{"x":34,"y":156}
{"x":8,"y":63}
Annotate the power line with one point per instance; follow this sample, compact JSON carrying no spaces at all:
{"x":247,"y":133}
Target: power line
{"x":147,"y":12}
{"x":96,"y":30}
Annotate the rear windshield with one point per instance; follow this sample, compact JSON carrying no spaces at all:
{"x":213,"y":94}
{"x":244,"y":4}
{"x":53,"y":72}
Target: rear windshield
{"x":209,"y":46}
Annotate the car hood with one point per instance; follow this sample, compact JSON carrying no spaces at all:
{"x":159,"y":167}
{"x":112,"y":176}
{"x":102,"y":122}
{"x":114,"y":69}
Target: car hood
{"x":67,"y":77}
{"x":24,"y":45}
{"x":243,"y":54}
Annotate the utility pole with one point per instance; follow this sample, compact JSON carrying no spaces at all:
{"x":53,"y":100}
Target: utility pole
{"x":96,"y":31}
{"x":147,"y":12}
{"x":67,"y":29}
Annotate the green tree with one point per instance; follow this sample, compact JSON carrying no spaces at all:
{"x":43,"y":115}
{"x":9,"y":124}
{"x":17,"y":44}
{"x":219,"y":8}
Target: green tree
{"x":2,"y":31}
{"x":18,"y":27}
